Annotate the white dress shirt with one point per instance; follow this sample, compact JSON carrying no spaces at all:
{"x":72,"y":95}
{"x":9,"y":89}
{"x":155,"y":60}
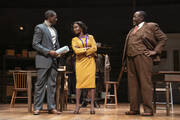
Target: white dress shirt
{"x":52,"y":32}
{"x":140,"y":25}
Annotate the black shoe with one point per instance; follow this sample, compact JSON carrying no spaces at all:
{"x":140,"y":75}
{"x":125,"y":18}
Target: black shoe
{"x":147,"y":114}
{"x":92,"y":112}
{"x":54,"y":111}
{"x":77,"y":110}
{"x":36,"y":112}
{"x":132,"y":113}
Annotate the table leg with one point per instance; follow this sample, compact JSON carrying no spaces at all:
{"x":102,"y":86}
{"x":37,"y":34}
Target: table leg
{"x":29,"y":85}
{"x":167,"y":99}
{"x":58,"y":89}
{"x":62,"y":92}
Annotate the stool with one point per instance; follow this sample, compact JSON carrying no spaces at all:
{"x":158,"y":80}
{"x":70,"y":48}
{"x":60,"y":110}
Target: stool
{"x":108,"y":83}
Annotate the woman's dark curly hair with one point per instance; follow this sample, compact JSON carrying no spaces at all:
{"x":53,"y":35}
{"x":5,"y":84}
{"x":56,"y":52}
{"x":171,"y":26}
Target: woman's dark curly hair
{"x":82,"y":25}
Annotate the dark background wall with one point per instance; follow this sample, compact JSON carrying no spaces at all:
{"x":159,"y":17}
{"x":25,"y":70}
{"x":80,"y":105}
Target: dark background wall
{"x":109,"y":24}
{"x":108,"y":21}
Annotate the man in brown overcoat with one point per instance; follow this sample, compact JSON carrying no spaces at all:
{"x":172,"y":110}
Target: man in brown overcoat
{"x":144,"y":44}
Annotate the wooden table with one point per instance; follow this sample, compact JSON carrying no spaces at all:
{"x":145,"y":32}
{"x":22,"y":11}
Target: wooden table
{"x":170,"y":77}
{"x":33,"y":73}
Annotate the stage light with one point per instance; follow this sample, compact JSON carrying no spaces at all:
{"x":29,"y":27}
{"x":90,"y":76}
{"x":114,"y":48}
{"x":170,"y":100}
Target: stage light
{"x":21,"y":28}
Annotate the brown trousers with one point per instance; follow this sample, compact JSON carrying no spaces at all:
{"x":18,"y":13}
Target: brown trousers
{"x":139,"y":82}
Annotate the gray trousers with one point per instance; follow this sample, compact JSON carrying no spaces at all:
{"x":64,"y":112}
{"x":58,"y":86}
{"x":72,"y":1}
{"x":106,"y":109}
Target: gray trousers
{"x":45,"y":77}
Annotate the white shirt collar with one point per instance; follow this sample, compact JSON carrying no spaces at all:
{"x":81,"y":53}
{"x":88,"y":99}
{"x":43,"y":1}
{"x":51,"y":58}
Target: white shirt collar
{"x":47,"y":23}
{"x":140,"y":25}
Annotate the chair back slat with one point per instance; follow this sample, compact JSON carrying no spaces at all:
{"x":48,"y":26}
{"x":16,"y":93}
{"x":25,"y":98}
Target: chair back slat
{"x":20,"y":79}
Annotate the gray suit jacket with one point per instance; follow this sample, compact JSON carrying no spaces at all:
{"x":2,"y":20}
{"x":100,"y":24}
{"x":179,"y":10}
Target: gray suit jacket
{"x":42,"y":43}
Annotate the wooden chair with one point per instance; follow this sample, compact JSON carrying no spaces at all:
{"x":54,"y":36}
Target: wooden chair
{"x":20,"y":85}
{"x":160,"y":89}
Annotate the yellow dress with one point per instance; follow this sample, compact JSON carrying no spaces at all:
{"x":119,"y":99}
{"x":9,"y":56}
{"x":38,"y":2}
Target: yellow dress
{"x":85,"y":62}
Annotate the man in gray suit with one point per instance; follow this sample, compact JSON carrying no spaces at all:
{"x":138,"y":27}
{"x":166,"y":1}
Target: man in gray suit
{"x":45,"y":42}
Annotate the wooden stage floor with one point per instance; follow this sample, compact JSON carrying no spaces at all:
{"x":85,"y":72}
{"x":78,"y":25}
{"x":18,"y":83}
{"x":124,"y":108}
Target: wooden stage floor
{"x":20,"y":113}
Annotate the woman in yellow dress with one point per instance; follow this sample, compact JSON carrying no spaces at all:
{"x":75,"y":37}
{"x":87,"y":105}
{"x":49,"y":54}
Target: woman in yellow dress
{"x":85,"y":48}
